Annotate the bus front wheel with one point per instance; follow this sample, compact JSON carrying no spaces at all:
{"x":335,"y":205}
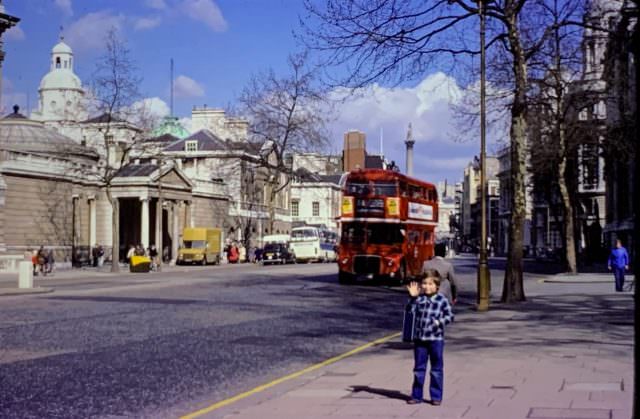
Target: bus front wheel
{"x":345,"y":277}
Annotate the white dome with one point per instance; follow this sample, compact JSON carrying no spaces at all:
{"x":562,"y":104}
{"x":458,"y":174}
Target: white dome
{"x":61,"y":48}
{"x":61,"y":79}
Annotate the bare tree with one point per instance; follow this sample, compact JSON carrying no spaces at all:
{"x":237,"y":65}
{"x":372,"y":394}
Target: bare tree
{"x":558,"y":63}
{"x":398,"y":41}
{"x":115,"y":89}
{"x":287,"y":115}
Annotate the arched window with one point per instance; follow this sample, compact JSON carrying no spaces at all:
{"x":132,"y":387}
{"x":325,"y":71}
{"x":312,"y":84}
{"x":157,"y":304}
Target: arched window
{"x":57,"y":62}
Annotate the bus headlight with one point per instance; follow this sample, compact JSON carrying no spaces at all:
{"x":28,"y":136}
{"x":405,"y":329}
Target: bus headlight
{"x":345,"y":261}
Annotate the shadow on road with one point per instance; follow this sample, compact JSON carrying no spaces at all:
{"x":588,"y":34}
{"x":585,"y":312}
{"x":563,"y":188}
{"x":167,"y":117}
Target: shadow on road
{"x":391,"y":394}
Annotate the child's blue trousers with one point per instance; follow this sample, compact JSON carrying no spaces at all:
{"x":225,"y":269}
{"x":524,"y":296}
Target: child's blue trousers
{"x":432,"y":351}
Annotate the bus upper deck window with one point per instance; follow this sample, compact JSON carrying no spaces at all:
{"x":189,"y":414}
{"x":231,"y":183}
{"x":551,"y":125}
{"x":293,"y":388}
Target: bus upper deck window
{"x":358,"y":188}
{"x":384,"y":188}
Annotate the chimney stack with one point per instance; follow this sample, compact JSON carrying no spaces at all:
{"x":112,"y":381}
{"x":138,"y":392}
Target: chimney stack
{"x":409,"y":143}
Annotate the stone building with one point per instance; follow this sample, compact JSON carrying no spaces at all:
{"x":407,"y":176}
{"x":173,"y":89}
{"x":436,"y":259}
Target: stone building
{"x":48,"y":199}
{"x":622,"y":119}
{"x":588,"y":98}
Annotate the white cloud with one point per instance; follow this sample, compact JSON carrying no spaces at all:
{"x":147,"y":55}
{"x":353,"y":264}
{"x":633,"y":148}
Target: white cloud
{"x":15,"y":34}
{"x":65,"y":6}
{"x":89,"y":31}
{"x":156,"y":4}
{"x":205,"y":11}
{"x":11,"y":97}
{"x":187,"y":124}
{"x":147,"y":112}
{"x":185,"y":87}
{"x":443,"y":145}
{"x":145,"y":23}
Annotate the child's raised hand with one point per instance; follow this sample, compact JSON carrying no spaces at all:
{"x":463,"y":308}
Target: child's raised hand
{"x":413,"y":288}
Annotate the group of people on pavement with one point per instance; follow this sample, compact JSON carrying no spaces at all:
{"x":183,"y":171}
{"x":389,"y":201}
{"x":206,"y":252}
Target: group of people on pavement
{"x":151,"y":252}
{"x":43,"y":261}
{"x":237,"y":253}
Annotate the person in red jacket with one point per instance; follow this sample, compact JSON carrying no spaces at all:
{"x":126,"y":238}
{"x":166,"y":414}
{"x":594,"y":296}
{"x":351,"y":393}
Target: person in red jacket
{"x":233,"y":254}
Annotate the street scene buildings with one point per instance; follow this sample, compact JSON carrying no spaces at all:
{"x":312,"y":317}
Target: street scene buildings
{"x":288,"y":255}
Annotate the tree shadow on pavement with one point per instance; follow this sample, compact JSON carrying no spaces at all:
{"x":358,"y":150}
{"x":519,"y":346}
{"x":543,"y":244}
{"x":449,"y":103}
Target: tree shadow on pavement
{"x":391,"y":394}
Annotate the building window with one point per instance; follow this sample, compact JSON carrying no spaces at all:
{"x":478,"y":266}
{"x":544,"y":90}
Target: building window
{"x":316,"y":208}
{"x":191,"y":146}
{"x":295,"y":208}
{"x":57,"y":62}
{"x":590,"y":166}
{"x":583,"y":115}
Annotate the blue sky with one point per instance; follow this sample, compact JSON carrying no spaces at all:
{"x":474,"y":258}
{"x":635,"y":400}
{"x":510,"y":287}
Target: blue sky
{"x":216,"y":46}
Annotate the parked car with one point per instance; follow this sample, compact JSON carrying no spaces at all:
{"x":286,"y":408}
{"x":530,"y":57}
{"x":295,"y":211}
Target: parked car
{"x":277,"y":253}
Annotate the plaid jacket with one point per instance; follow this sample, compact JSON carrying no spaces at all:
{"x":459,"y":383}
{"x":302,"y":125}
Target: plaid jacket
{"x":428,"y":310}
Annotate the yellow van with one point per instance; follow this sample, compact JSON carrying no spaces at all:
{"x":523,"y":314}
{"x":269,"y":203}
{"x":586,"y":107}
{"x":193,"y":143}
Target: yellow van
{"x":200,"y":245}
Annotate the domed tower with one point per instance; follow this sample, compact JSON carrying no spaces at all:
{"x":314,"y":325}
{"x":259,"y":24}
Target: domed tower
{"x":61,"y":93}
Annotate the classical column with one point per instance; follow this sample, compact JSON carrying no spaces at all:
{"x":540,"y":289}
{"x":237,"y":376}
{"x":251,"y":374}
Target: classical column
{"x":158,"y":243}
{"x":144,"y":222}
{"x":74,"y":228}
{"x":92,"y":222}
{"x":187,"y":214}
{"x":3,"y":188}
{"x":175,"y":226}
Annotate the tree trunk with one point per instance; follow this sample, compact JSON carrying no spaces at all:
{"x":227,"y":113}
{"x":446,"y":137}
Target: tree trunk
{"x":570,"y":247}
{"x":272,"y":208}
{"x":513,"y":287}
{"x":115,"y":231}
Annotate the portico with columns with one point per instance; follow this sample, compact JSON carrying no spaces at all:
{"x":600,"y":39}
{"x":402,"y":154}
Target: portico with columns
{"x":155,"y":205}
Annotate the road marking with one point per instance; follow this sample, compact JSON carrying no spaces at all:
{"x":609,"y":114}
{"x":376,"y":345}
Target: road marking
{"x":286,"y":378}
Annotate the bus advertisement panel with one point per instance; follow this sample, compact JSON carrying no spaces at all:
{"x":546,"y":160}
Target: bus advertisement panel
{"x":387,"y":225}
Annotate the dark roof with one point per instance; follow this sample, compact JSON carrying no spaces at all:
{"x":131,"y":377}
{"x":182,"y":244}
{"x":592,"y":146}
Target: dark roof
{"x":164,"y":138}
{"x":332,"y":178}
{"x":105,"y":118}
{"x":304,"y":175}
{"x":134,"y":170}
{"x":373,"y":162}
{"x":207,"y":141}
{"x":15,"y":114}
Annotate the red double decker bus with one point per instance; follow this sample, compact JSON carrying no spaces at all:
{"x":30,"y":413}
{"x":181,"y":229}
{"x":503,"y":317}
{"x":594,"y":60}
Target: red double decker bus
{"x":387,"y":225}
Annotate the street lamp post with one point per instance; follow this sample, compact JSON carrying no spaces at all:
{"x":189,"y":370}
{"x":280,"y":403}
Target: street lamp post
{"x":6,"y":22}
{"x":484,"y":275}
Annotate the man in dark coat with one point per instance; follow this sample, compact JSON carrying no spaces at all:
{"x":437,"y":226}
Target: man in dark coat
{"x":448,"y":287}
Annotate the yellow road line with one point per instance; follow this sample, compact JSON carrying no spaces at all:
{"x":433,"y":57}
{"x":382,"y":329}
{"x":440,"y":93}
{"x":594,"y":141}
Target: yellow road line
{"x":286,"y":378}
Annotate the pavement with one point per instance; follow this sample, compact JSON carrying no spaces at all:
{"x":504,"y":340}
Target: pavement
{"x":567,"y":352}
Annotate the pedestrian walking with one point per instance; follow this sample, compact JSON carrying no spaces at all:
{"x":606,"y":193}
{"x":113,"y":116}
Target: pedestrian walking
{"x":448,"y":286}
{"x":94,"y":256}
{"x":234,"y":254}
{"x":50,"y":261}
{"x":619,"y":263}
{"x":130,"y":253}
{"x":433,"y":312}
{"x":153,"y":255}
{"x":100,"y":255}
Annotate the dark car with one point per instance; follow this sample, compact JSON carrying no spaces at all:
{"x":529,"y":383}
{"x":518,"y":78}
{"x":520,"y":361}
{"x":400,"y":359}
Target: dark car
{"x":277,"y":253}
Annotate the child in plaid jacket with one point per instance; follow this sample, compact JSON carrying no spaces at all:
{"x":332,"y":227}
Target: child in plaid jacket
{"x":433,"y":312}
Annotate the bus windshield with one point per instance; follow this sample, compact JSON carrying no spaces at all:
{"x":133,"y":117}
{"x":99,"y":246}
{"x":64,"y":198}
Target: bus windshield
{"x":304,"y":234}
{"x":195,"y":244}
{"x":372,"y":233}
